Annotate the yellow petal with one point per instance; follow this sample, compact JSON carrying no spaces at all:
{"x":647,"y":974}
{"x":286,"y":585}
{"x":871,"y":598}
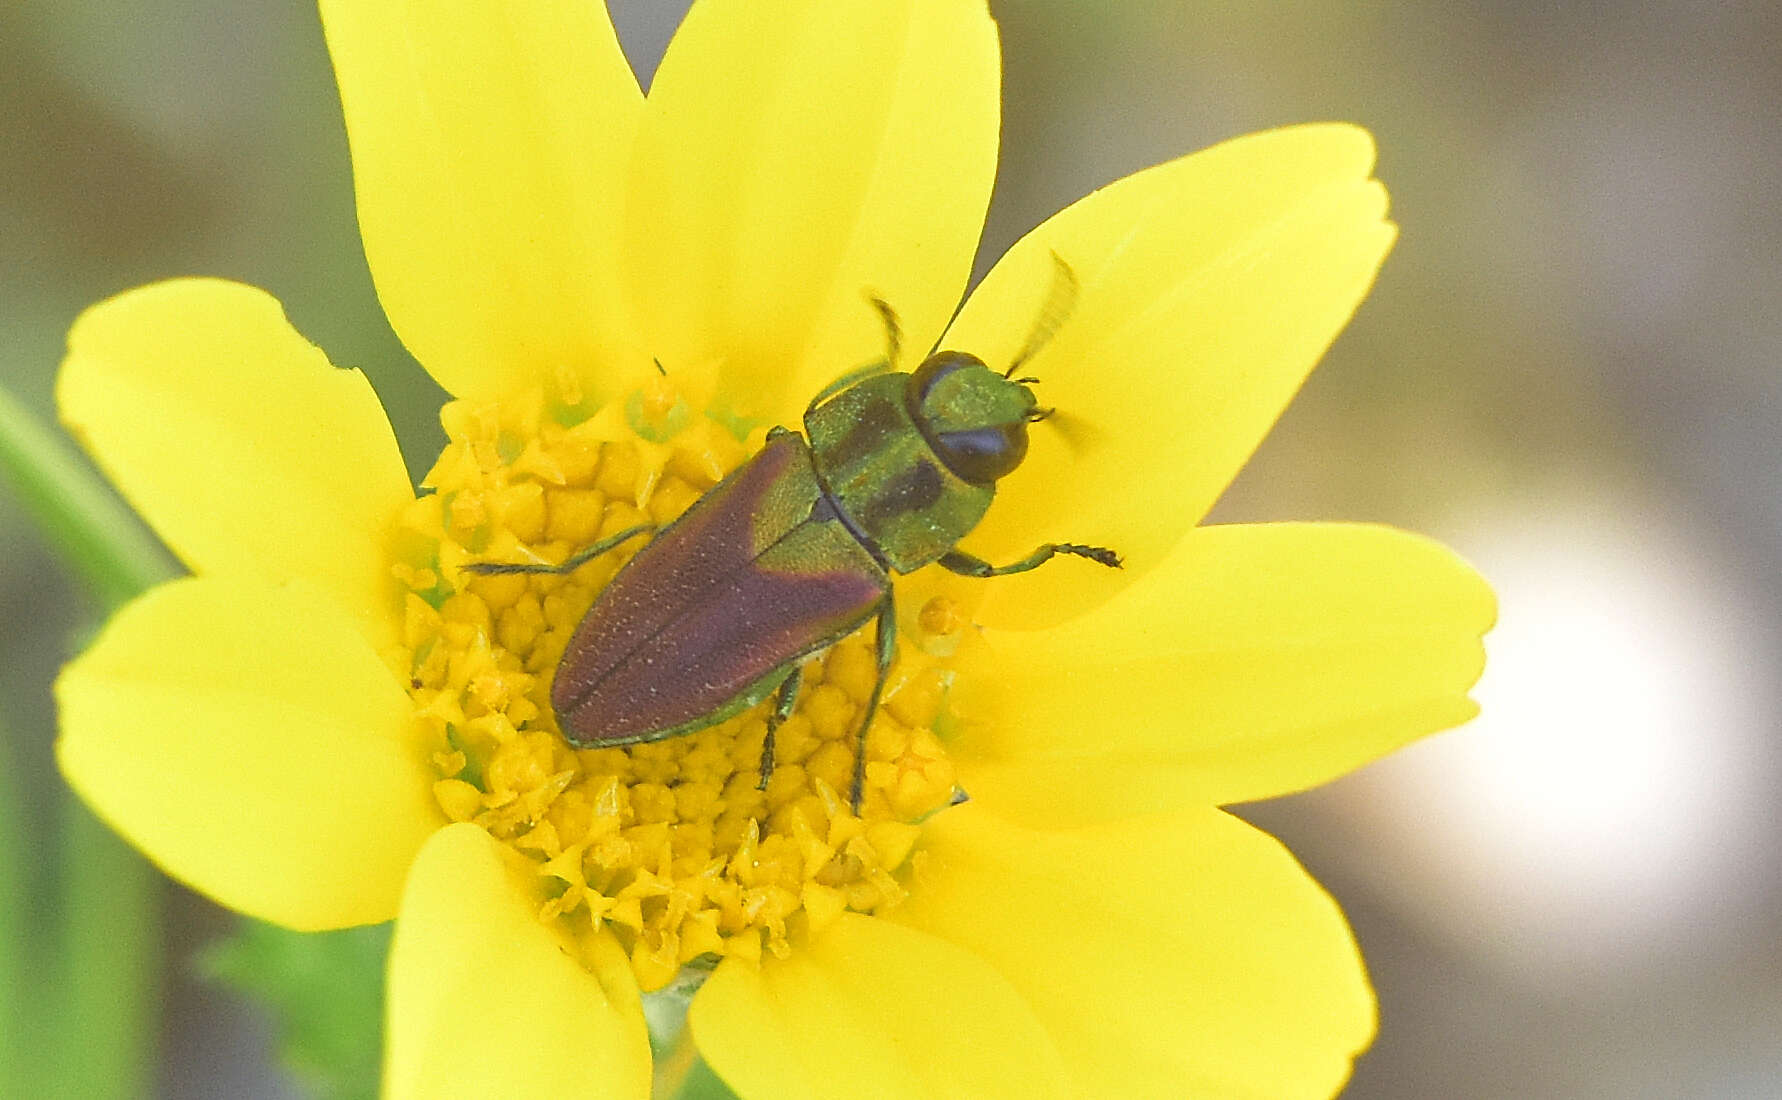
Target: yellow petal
{"x":489,"y":146}
{"x":487,"y":1001}
{"x":248,"y":739}
{"x":872,"y":1010}
{"x":1179,"y":955}
{"x":1255,"y":661}
{"x":1209,"y":288}
{"x":796,"y":157}
{"x":236,"y":439}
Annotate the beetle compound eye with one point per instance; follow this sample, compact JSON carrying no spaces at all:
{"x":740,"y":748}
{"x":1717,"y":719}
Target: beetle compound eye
{"x":983,"y":455}
{"x":974,"y":418}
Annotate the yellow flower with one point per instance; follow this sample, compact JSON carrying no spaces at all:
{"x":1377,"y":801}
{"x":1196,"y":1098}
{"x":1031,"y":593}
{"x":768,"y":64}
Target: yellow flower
{"x":332,"y":724}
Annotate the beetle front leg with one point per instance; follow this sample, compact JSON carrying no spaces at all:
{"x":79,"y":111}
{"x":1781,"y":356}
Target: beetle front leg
{"x":501,"y":568}
{"x":782,"y":710}
{"x":887,"y":642}
{"x":968,"y":566}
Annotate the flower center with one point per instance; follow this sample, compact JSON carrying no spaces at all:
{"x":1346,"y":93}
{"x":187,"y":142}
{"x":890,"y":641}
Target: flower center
{"x":668,"y":843}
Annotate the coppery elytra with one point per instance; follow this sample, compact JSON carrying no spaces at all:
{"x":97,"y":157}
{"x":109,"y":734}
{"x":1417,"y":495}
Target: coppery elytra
{"x":795,"y":549}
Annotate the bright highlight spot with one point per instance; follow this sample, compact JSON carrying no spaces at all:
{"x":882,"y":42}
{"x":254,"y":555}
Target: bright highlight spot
{"x":1604,"y":801}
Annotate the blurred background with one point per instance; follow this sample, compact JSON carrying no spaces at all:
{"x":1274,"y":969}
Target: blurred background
{"x":1568,"y":370}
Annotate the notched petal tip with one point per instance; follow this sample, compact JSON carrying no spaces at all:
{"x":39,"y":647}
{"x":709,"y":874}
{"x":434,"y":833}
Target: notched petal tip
{"x":247,"y":451}
{"x":850,"y":151}
{"x":1209,"y":287}
{"x":1256,"y":660}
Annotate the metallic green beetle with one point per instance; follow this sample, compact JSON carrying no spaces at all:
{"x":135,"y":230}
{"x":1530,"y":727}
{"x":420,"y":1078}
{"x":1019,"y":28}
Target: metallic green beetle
{"x":795,"y":550}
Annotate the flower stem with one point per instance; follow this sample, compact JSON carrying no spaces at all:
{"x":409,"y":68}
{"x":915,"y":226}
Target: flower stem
{"x":110,"y":553}
{"x":110,"y":951}
{"x":16,"y":932}
{"x":94,"y":998}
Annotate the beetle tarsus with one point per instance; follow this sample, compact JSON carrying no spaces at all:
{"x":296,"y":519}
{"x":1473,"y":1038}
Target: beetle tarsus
{"x":966,"y":565}
{"x":783,"y":704}
{"x":1101,"y":555}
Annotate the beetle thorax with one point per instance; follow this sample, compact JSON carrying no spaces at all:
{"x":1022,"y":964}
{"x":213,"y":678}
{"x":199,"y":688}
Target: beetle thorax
{"x":883,"y":473}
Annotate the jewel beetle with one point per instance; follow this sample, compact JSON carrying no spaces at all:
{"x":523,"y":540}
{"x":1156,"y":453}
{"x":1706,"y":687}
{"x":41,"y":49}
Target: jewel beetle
{"x":795,"y":550}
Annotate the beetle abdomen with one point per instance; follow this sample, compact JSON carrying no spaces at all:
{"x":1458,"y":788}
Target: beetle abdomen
{"x":716,"y":606}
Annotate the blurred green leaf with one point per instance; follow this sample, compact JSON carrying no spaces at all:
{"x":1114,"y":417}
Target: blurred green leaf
{"x":326,"y":993}
{"x":106,"y":547}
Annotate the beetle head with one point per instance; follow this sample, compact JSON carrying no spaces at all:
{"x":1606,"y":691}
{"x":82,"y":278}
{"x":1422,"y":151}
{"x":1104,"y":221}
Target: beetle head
{"x":974,"y":418}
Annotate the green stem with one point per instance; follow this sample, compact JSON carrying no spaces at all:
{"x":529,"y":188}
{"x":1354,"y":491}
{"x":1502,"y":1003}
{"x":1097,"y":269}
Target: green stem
{"x":111,"y":554}
{"x":95,"y":999}
{"x":16,"y":933}
{"x":104,"y":1037}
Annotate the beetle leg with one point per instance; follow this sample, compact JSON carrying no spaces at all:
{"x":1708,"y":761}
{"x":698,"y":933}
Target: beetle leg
{"x":782,"y":710}
{"x":968,"y":566}
{"x":488,"y":568}
{"x":887,"y":641}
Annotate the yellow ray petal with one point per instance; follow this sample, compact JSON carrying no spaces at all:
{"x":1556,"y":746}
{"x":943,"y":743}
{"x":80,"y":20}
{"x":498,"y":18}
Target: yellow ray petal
{"x":248,"y":739}
{"x":872,"y":1010}
{"x":1209,"y":287}
{"x":486,"y":1001}
{"x":1179,"y":955}
{"x":1255,"y":661}
{"x":236,"y":439}
{"x":797,"y":156}
{"x":489,"y":144}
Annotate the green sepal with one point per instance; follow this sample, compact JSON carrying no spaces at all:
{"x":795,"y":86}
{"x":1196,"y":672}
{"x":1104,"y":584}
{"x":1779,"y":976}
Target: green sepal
{"x":681,"y":1074}
{"x":698,"y":1082}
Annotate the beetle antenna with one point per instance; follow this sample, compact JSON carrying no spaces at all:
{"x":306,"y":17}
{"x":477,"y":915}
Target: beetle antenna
{"x":1027,"y":380}
{"x":660,"y":369}
{"x":1060,"y":300}
{"x":893,"y":330}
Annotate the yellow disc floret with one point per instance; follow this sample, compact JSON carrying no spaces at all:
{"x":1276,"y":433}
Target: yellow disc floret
{"x":668,"y":844}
